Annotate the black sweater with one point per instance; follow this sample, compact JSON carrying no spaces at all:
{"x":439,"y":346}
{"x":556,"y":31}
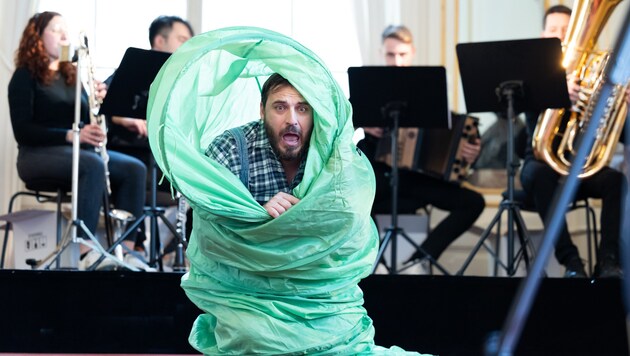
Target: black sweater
{"x":42,"y":114}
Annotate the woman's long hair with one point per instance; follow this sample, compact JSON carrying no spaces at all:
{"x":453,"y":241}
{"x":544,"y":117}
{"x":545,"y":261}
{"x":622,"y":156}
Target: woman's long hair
{"x":32,"y":55}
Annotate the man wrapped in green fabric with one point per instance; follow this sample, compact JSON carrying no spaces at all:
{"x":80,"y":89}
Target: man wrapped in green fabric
{"x":281,"y":196}
{"x":273,"y":149}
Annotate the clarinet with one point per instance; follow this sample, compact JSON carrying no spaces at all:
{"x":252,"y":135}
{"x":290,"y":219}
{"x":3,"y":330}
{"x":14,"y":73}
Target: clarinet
{"x":120,"y":217}
{"x":180,"y":229}
{"x":95,"y":106}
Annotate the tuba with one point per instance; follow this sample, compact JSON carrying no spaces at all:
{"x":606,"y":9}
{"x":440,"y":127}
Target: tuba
{"x":558,"y":131}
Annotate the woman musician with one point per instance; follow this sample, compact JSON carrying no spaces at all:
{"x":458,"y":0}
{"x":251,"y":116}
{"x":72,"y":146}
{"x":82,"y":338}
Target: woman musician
{"x":42,"y":101}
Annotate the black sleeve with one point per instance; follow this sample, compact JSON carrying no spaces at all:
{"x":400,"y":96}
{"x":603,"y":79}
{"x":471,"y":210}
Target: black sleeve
{"x":368,"y":145}
{"x":21,"y":107}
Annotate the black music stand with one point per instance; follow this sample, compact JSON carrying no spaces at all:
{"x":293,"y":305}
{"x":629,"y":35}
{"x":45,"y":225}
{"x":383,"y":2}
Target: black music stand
{"x":127,"y":96}
{"x":394,"y":97}
{"x":512,"y":76}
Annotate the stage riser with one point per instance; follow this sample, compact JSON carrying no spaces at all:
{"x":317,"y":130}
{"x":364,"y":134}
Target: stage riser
{"x":115,"y":312}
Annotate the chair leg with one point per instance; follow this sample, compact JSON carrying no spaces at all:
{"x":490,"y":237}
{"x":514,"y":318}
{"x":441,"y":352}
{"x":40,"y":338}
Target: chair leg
{"x":8,"y":226}
{"x":60,"y":195}
{"x":40,"y":198}
{"x":497,"y":249}
{"x":592,"y":235}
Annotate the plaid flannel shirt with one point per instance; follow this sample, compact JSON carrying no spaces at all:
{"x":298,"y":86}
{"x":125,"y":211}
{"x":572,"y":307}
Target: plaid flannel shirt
{"x":266,"y":175}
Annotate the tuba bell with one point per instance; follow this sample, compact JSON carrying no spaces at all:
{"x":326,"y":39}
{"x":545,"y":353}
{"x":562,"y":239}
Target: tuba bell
{"x":558,"y":131}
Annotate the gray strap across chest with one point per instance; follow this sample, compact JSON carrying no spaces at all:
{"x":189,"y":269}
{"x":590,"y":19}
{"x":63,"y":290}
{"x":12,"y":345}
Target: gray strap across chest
{"x":241,"y":146}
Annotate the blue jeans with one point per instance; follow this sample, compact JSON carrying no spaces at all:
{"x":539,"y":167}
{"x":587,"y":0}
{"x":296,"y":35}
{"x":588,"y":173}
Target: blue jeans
{"x":127,"y":177}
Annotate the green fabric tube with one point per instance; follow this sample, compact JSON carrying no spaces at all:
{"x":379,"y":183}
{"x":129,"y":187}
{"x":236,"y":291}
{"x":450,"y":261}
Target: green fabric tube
{"x":268,"y":286}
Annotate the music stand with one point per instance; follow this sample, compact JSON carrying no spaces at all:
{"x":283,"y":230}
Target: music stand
{"x":127,"y":96}
{"x":395,"y":97}
{"x":128,"y":93}
{"x":511,"y":76}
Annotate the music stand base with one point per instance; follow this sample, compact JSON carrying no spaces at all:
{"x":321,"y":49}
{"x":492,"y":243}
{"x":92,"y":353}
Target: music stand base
{"x":155,"y":256}
{"x":513,"y":258}
{"x":390,"y":239}
{"x":67,"y":240}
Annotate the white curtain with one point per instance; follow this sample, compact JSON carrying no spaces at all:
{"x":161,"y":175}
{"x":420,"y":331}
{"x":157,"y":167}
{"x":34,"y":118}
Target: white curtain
{"x":15,"y":14}
{"x":372,"y":16}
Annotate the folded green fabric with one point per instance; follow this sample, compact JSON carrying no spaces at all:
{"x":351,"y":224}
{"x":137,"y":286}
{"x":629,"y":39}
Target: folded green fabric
{"x":268,"y":286}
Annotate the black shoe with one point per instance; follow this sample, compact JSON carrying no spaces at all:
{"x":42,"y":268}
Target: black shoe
{"x":416,"y":256}
{"x":575,"y":269}
{"x":608,"y":267}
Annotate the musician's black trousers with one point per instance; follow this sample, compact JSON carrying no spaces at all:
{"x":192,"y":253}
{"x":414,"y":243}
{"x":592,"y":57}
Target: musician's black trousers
{"x":540,"y":181}
{"x":126,"y":174}
{"x":416,"y":190}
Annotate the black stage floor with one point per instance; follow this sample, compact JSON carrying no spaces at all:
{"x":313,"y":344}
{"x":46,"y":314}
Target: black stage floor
{"x":148,"y":313}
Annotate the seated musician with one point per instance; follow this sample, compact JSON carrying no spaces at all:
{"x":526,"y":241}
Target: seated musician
{"x":166,"y":34}
{"x":41,"y":102}
{"x":129,"y":135}
{"x":417,"y":190}
{"x":541,"y":181}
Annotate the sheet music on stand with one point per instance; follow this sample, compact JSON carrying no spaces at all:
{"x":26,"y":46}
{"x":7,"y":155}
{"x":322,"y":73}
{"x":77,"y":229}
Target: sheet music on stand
{"x":423,"y":89}
{"x":128,"y":93}
{"x":484,"y":65}
{"x":394,"y":97}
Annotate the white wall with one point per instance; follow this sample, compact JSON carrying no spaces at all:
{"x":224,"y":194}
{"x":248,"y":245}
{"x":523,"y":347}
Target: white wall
{"x":438,"y":26}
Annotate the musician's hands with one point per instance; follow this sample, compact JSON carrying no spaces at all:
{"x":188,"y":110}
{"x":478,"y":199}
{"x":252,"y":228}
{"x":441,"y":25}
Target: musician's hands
{"x":138,"y":126}
{"x":470,"y":150}
{"x":280,"y":203}
{"x":90,"y":134}
{"x":374,"y":131}
{"x":100,"y":90}
{"x":573,"y":84}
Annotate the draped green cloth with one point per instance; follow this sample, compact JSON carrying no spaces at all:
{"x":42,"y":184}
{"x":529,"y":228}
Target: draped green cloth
{"x":267,"y":286}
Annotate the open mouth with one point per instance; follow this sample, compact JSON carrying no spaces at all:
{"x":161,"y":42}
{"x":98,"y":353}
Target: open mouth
{"x":291,"y":139}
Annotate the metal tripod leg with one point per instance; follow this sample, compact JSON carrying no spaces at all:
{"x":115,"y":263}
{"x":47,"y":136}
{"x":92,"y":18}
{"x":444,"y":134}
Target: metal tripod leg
{"x":390,"y":238}
{"x":513,"y":259}
{"x":67,"y":241}
{"x":153,"y":214}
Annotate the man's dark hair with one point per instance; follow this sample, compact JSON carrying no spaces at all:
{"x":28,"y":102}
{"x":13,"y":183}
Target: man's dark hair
{"x":398,"y":32}
{"x":273,"y":82}
{"x":163,"y":25}
{"x":556,"y":9}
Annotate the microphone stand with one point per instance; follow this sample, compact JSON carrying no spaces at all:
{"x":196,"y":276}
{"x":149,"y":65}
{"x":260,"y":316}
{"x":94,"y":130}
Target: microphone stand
{"x":70,"y":235}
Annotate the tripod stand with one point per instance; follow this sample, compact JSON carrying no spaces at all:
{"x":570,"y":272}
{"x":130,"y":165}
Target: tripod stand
{"x":127,"y":97}
{"x":507,"y":91}
{"x":496,"y":70}
{"x":153,"y":212}
{"x":393,"y":111}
